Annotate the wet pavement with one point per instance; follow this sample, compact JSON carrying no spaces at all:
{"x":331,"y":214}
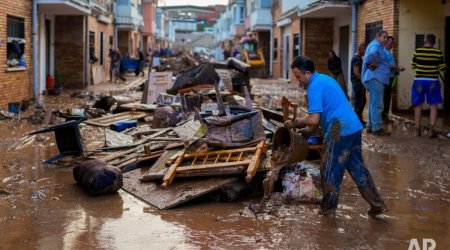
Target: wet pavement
{"x":42,"y":207}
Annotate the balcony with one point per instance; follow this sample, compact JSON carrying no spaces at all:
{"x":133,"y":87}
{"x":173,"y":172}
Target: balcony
{"x":65,"y":7}
{"x":261,"y":19}
{"x":238,"y":30}
{"x":128,"y":22}
{"x":128,"y":17}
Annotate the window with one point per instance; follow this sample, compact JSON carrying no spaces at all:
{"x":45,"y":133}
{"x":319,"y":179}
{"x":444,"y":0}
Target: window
{"x":101,"y":48}
{"x":275,"y":49}
{"x":371,"y":31}
{"x":297,"y":45}
{"x":15,"y":48}
{"x":420,"y":41}
{"x":92,"y":46}
{"x":242,"y":14}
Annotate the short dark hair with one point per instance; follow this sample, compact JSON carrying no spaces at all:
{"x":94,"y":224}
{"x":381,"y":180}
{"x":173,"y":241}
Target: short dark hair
{"x":430,"y":38}
{"x":391,"y":38}
{"x":303,"y":63}
{"x":381,"y":32}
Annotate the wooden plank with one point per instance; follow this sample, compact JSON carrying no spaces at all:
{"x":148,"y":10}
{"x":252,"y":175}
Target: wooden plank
{"x":224,"y":151}
{"x":256,"y":159}
{"x":212,"y":166}
{"x":106,"y":121}
{"x":160,"y":164}
{"x":170,"y":175}
{"x":207,"y":172}
{"x":176,"y":194}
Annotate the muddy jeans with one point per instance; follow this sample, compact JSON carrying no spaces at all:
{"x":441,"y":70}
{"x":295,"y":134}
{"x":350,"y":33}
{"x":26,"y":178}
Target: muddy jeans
{"x":344,"y":153}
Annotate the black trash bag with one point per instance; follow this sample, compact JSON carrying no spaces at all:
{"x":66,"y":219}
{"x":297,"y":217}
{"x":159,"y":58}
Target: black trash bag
{"x":98,"y":177}
{"x":198,"y":75}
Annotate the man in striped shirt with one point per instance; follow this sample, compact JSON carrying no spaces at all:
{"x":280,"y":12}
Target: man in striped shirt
{"x":427,"y":62}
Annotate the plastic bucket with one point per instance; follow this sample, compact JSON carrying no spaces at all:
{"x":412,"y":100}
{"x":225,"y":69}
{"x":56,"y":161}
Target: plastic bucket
{"x":289,"y":145}
{"x":14,"y":107}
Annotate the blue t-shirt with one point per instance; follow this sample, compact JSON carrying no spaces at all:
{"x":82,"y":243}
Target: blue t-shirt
{"x":326,"y":97}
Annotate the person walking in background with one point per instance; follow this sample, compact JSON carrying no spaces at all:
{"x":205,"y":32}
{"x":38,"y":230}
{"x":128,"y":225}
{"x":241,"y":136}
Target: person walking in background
{"x":114,"y":69}
{"x":334,"y":65}
{"x":359,"y":91}
{"x":328,"y":106}
{"x":427,"y":62}
{"x":395,"y":69}
{"x":140,"y":70}
{"x":375,"y":77}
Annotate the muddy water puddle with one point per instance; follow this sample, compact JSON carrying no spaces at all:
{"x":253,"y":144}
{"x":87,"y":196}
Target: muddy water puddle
{"x":42,"y":207}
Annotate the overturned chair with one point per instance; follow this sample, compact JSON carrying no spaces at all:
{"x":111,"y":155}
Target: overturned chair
{"x":67,"y":137}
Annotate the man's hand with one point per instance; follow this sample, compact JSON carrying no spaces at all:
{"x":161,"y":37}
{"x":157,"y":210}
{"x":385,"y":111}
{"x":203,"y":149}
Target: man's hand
{"x":291,"y":124}
{"x":306,"y":131}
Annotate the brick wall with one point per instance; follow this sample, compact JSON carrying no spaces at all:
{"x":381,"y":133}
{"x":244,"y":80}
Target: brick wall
{"x":15,"y":86}
{"x":69,"y":51}
{"x":387,"y":12}
{"x":317,"y":41}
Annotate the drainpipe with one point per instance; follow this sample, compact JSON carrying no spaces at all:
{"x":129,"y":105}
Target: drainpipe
{"x":35,"y":54}
{"x":271,"y":51}
{"x":354,"y":23}
{"x":86,"y":57}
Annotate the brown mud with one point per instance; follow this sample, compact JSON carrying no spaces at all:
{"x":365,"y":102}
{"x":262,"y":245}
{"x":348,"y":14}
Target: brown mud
{"x":42,"y":207}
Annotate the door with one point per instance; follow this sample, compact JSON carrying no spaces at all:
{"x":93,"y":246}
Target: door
{"x":344,"y":50}
{"x":447,"y":72}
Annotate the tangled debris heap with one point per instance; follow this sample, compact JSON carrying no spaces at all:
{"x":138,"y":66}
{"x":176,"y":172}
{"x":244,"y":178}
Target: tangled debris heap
{"x":202,"y":136}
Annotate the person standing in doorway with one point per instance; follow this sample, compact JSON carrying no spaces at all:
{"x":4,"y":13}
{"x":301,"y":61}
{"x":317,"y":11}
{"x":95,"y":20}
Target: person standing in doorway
{"x":359,"y":91}
{"x":394,"y":71}
{"x":427,"y":62}
{"x":328,"y":106}
{"x":375,"y":77}
{"x":334,"y":65}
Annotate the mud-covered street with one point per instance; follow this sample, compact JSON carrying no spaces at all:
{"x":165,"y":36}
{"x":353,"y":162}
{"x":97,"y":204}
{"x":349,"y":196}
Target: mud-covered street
{"x":41,"y":206}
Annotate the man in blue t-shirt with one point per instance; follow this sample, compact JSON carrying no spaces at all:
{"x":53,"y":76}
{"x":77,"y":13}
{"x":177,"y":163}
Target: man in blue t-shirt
{"x":328,"y":105}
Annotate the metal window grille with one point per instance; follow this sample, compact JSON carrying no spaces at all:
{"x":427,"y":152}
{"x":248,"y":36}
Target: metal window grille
{"x":371,"y":31}
{"x":16,"y":27}
{"x":420,"y":40}
{"x":91,"y":43}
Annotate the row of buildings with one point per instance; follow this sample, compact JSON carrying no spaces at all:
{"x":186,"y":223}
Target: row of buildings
{"x":40,"y":38}
{"x":288,"y":28}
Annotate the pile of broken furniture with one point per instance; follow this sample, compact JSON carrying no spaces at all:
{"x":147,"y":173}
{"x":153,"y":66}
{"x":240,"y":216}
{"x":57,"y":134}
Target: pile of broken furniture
{"x":188,"y":137}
